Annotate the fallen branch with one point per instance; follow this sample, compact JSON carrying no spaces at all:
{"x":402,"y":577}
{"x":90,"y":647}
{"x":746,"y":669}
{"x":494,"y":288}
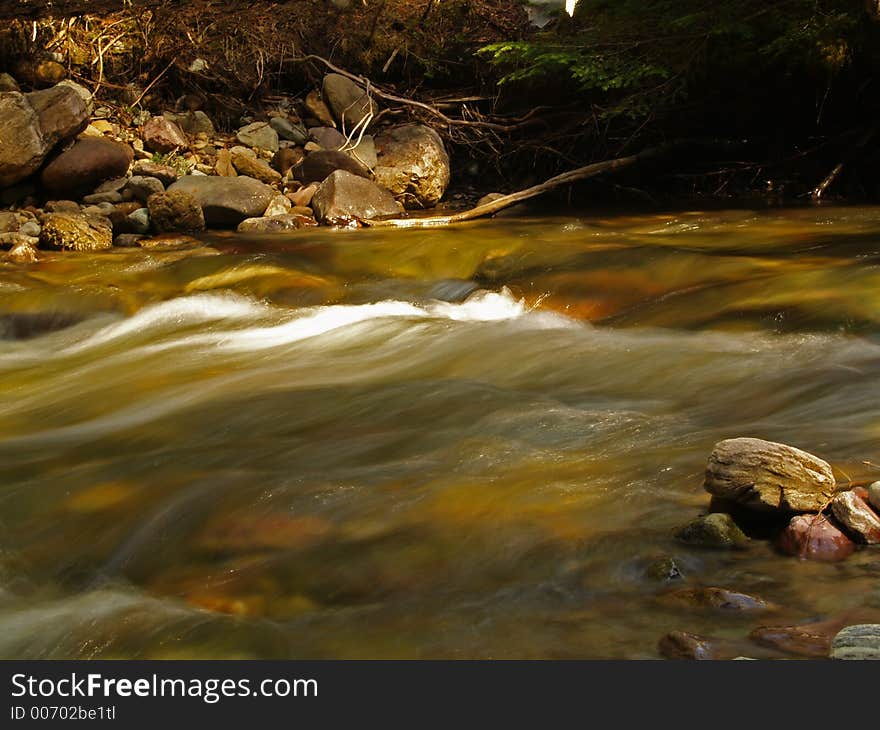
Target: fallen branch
{"x":480,"y":211}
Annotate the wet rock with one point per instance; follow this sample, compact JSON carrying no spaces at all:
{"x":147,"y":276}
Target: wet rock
{"x":13,"y":239}
{"x":255,"y":168}
{"x":23,"y":253}
{"x":30,"y":228}
{"x":768,"y":476}
{"x":413,"y":164}
{"x":664,"y":570}
{"x":286,"y":158}
{"x":719,"y":599}
{"x":128,"y":240}
{"x":258,"y":134}
{"x":227,"y":201}
{"x":169,"y":242}
{"x":861,"y":641}
{"x":328,"y":138}
{"x":164,"y":174}
{"x":344,"y":197}
{"x":141,"y":188}
{"x":318,"y":166}
{"x":856,"y":517}
{"x":175,"y":211}
{"x":110,"y":196}
{"x":814,"y":537}
{"x":22,"y":147}
{"x":289,"y":130}
{"x":276,"y":224}
{"x":318,"y":109}
{"x":86,"y":164}
{"x":684,"y":645}
{"x":279,"y":205}
{"x":7,"y":83}
{"x":874,"y":496}
{"x":348,"y":101}
{"x":809,"y":640}
{"x":163,"y":136}
{"x":76,"y":232}
{"x":715,"y":530}
{"x":139,"y":221}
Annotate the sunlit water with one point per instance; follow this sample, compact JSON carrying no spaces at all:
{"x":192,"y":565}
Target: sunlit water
{"x":468,"y":442}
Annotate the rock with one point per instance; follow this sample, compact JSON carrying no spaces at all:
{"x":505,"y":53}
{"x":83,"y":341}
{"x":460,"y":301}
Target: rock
{"x":139,"y":221}
{"x":716,"y":530}
{"x":365,"y":152}
{"x":7,"y":83}
{"x":856,"y":517}
{"x":76,"y":232}
{"x":288,"y":130}
{"x":192,"y":123}
{"x":813,"y":537}
{"x":169,"y":242}
{"x":276,"y":224}
{"x":163,"y":173}
{"x":413,"y":164}
{"x":490,"y":198}
{"x":348,"y":101}
{"x":318,"y":109}
{"x":257,"y":169}
{"x":13,"y":239}
{"x":110,"y":196}
{"x":176,"y":211}
{"x":303,"y":196}
{"x":344,"y":197}
{"x":719,"y":599}
{"x":683,"y":645}
{"x":874,"y":495}
{"x":663,"y":570}
{"x":22,"y":147}
{"x":227,"y":201}
{"x":861,"y":641}
{"x":286,"y":158}
{"x":768,"y":476}
{"x":87,"y":163}
{"x":83,"y":93}
{"x":258,"y":134}
{"x":30,"y":228}
{"x":48,"y":73}
{"x":114,"y":185}
{"x":163,"y":136}
{"x":22,"y":253}
{"x":318,"y":166}
{"x":141,"y":188}
{"x":809,"y":640}
{"x":279,"y":205}
{"x":127,"y":240}
{"x":224,"y":166}
{"x":62,"y":206}
{"x":62,"y":113}
{"x":328,"y":138}
{"x":9,"y":221}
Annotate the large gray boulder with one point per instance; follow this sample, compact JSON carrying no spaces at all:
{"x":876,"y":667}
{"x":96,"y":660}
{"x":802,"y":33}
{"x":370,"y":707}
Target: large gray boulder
{"x":31,"y":125}
{"x":413,"y":164}
{"x":348,"y":101}
{"x":226,"y":201}
{"x":344,"y":197}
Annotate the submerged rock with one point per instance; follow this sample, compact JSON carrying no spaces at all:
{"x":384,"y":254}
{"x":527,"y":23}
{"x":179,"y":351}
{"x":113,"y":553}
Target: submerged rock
{"x":717,"y":530}
{"x":768,"y":476}
{"x":857,"y":518}
{"x":276,"y":223}
{"x":814,"y":537}
{"x":344,"y":197}
{"x":720,"y":599}
{"x":857,"y":642}
{"x":684,"y":645}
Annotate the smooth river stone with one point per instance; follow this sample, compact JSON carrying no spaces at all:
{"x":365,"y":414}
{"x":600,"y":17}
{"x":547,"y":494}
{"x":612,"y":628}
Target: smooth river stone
{"x":717,"y":530}
{"x":857,"y":642}
{"x":720,"y":599}
{"x":768,"y":476}
{"x":874,"y":495}
{"x":813,"y":537}
{"x":857,"y":517}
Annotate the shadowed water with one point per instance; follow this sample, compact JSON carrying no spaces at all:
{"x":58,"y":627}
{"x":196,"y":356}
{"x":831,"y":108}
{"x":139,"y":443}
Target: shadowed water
{"x":470,"y":442}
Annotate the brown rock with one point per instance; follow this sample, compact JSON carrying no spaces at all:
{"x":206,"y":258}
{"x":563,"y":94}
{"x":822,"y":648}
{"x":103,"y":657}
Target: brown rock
{"x":76,"y":232}
{"x":162,"y":135}
{"x":318,"y":109}
{"x":255,"y":168}
{"x":176,"y":211}
{"x":227,"y":201}
{"x":808,"y":640}
{"x":328,"y":138}
{"x":318,"y":166}
{"x":62,"y":113}
{"x":413,"y":164}
{"x":344,"y":197}
{"x":22,"y":148}
{"x":768,"y":476}
{"x":224,"y":166}
{"x":48,"y":73}
{"x":286,"y":158}
{"x":21,"y":253}
{"x":719,"y":599}
{"x":169,"y":242}
{"x":857,"y":518}
{"x":813,"y":537}
{"x":78,"y":170}
{"x":874,"y":496}
{"x":348,"y":100}
{"x":276,"y":223}
{"x":163,"y":173}
{"x":684,"y":645}
{"x":303,"y":196}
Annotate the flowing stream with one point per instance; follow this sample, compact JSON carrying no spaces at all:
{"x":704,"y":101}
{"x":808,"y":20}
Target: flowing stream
{"x":472,"y":442}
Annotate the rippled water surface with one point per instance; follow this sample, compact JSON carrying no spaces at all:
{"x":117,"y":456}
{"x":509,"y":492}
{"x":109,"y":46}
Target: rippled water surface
{"x":467,"y":442}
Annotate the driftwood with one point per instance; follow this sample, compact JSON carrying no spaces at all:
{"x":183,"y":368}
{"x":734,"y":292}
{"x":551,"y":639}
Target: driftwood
{"x":767,"y":476}
{"x":480,"y":211}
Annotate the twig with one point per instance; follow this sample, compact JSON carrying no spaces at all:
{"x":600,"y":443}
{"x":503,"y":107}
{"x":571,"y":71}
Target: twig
{"x":153,"y":82}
